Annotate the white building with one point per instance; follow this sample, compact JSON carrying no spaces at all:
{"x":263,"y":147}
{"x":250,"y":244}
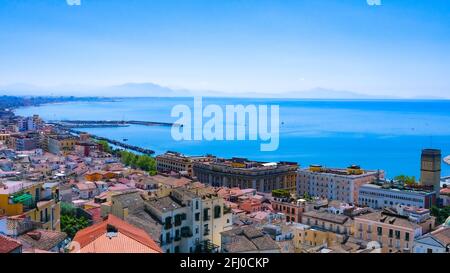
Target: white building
{"x":333,"y":183}
{"x":379,"y":196}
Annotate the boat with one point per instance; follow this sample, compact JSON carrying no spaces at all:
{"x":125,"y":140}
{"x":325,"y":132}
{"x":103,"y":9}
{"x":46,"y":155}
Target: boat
{"x":447,"y":160}
{"x":125,"y":139}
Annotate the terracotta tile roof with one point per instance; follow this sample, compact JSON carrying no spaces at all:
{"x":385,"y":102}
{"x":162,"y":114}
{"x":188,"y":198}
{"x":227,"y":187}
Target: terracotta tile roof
{"x":129,"y":238}
{"x":42,"y":239}
{"x":445,"y":191}
{"x":8,"y":245}
{"x":443,"y":235}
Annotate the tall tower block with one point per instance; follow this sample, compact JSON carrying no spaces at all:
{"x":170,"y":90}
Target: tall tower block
{"x":430,"y":169}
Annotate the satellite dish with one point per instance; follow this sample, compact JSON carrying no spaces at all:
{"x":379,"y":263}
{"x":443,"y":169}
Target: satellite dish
{"x":373,"y":245}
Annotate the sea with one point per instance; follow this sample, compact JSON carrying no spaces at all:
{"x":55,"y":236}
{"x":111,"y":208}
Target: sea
{"x":374,"y":134}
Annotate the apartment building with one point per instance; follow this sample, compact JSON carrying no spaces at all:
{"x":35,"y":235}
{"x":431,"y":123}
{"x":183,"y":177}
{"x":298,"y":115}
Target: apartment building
{"x":328,"y":221}
{"x":23,"y":142}
{"x":192,"y":220}
{"x":35,"y":201}
{"x":293,"y":210}
{"x":242,"y":173}
{"x":384,"y":194}
{"x":394,"y":232}
{"x":334,"y":183}
{"x":61,"y":144}
{"x":177,"y":162}
{"x":306,"y":237}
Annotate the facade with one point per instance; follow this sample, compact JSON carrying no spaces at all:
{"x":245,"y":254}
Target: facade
{"x":306,"y":237}
{"x":334,"y":184}
{"x":176,"y":162}
{"x":192,"y":220}
{"x":35,"y":201}
{"x":239,"y":172}
{"x":292,"y":210}
{"x":23,"y":142}
{"x":61,"y":144}
{"x":327,"y":221}
{"x":383,"y":195}
{"x":393,"y":232}
{"x":430,"y":169}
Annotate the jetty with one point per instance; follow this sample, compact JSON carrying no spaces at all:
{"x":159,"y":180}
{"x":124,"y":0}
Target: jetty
{"x":110,"y":141}
{"x":110,"y":123}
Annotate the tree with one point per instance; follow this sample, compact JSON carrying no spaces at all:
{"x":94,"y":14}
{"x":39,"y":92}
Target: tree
{"x":105,"y":145}
{"x":441,"y":214}
{"x":406,"y":180}
{"x":71,"y":223}
{"x":281,"y":193}
{"x":142,"y":162}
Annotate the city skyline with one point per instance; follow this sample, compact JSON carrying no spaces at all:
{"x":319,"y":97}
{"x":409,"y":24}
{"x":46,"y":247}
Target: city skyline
{"x":396,"y":49}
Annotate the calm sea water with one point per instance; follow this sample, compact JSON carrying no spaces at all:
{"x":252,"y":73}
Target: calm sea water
{"x":386,"y":135}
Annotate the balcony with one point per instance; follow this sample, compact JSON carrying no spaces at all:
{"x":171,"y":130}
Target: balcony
{"x":206,"y":232}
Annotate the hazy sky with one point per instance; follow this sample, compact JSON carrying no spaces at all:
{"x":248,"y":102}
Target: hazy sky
{"x":399,"y":48}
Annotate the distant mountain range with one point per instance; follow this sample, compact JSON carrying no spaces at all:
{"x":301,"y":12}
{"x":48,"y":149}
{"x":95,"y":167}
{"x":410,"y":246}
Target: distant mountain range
{"x":155,"y":90}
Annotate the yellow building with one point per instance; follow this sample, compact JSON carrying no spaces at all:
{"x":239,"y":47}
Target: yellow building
{"x":306,"y":237}
{"x":4,"y":138}
{"x":61,"y":144}
{"x":37,"y":201}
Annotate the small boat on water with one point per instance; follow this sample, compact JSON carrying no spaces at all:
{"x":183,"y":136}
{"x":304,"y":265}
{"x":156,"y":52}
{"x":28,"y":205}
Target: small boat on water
{"x":447,"y":160}
{"x":125,"y":139}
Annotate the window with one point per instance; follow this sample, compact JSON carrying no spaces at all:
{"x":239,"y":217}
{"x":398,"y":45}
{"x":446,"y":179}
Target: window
{"x":407,"y":236}
{"x":397,"y":234}
{"x":379,"y":231}
{"x":217,"y":212}
{"x":391,"y":233}
{"x":196,"y":204}
{"x":205,"y":215}
{"x":197,"y":216}
{"x":177,"y":220}
{"x":168,"y":222}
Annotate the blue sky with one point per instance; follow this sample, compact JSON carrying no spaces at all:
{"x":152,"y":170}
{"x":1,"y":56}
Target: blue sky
{"x":400,"y":48}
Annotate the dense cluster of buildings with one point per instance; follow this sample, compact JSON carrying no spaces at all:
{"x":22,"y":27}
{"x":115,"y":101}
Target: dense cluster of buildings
{"x":204,"y":203}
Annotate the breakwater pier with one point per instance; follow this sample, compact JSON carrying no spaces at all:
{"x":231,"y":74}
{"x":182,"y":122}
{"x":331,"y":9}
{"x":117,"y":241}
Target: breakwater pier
{"x":110,"y":141}
{"x":110,"y":123}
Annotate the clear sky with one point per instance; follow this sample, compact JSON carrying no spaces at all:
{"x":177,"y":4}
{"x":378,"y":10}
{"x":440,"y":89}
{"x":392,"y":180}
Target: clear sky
{"x":401,"y":47}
